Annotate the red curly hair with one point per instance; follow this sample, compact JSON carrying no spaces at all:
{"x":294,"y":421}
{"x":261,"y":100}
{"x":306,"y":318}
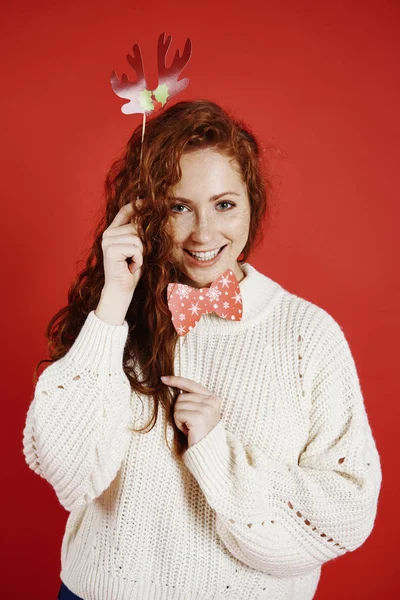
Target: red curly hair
{"x":185,"y":126}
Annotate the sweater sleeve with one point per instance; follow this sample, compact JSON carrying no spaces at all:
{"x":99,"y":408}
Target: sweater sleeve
{"x":288,"y":519}
{"x":76,"y":431}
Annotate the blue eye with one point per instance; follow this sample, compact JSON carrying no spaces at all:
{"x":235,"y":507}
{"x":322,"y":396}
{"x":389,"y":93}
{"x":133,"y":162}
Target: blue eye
{"x":225,"y":205}
{"x":226,"y":202}
{"x":177,"y":206}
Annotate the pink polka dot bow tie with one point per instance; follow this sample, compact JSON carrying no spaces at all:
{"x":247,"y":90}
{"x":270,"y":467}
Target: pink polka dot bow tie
{"x":187,"y":304}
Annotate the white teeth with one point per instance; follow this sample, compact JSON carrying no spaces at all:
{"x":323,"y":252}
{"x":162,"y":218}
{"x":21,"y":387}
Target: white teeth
{"x":205,"y":255}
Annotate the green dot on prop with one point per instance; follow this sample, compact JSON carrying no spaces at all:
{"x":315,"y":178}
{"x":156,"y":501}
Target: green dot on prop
{"x":161,"y":93}
{"x":145,"y":100}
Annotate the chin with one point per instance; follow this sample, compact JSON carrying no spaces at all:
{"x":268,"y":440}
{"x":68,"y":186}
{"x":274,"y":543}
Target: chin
{"x":203,"y":277}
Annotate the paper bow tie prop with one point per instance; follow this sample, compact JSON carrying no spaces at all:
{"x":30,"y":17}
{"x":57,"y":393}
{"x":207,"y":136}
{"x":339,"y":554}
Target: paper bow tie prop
{"x":187,"y":304}
{"x":142,"y":100}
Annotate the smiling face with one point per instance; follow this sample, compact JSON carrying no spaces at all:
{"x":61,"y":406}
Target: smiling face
{"x":209,"y":217}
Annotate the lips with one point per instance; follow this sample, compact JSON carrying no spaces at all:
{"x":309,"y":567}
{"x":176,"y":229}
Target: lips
{"x":203,"y":252}
{"x":206,"y":260}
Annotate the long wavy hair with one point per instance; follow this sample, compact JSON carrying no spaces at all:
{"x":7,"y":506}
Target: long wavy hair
{"x":184,"y":127}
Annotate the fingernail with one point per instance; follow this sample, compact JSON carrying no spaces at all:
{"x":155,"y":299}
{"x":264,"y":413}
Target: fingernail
{"x":164,"y":378}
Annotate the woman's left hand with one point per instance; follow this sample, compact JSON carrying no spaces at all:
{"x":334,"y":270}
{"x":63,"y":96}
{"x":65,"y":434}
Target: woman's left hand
{"x":197,"y":411}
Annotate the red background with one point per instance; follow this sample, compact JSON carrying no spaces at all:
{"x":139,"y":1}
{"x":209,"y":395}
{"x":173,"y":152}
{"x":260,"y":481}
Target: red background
{"x":317,"y":79}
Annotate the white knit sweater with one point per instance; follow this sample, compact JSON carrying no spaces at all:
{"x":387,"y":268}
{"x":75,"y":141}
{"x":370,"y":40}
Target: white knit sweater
{"x":287,"y":480}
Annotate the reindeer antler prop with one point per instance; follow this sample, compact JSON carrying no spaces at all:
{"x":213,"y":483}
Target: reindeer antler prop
{"x":142,"y":100}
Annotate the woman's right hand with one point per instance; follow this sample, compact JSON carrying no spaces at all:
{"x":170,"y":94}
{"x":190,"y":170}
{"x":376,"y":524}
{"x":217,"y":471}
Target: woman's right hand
{"x":120,"y":241}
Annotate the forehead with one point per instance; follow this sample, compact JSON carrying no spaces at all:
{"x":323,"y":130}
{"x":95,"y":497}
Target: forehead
{"x":209,"y":168}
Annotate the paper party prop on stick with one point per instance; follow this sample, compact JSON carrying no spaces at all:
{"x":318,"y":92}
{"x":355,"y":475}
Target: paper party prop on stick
{"x":141,"y":99}
{"x":187,"y":303}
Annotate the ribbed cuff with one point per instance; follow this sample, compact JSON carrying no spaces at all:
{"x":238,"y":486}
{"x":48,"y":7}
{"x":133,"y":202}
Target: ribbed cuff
{"x":99,"y":343}
{"x":209,"y":461}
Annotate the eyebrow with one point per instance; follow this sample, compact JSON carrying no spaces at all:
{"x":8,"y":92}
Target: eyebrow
{"x":212,"y":199}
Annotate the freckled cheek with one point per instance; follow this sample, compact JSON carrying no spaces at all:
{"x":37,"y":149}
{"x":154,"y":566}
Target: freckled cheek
{"x":178,"y":231}
{"x":237,"y":226}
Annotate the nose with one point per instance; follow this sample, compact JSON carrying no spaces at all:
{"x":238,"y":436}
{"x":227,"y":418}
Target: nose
{"x":203,"y":228}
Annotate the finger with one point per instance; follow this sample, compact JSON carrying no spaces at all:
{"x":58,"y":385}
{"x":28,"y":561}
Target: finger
{"x":190,"y":398}
{"x":117,"y":240}
{"x":123,"y":216}
{"x":124,"y":251}
{"x":183,"y":383}
{"x":122,"y":229}
{"x":122,"y":234}
{"x":186,"y":414}
{"x":139,"y":203}
{"x":125,"y":213}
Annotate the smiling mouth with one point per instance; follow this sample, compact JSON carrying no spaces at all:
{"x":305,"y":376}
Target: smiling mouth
{"x":204,"y":256}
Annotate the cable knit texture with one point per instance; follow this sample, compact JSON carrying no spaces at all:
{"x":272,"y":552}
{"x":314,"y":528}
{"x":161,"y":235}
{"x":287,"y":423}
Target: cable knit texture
{"x":288,"y":479}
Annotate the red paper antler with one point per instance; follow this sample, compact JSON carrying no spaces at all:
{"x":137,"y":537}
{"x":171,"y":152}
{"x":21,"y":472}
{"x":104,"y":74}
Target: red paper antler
{"x":140,"y":98}
{"x":169,"y":76}
{"x":132,"y":91}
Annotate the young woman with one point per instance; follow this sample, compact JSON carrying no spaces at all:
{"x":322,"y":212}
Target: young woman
{"x":253,"y":462}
